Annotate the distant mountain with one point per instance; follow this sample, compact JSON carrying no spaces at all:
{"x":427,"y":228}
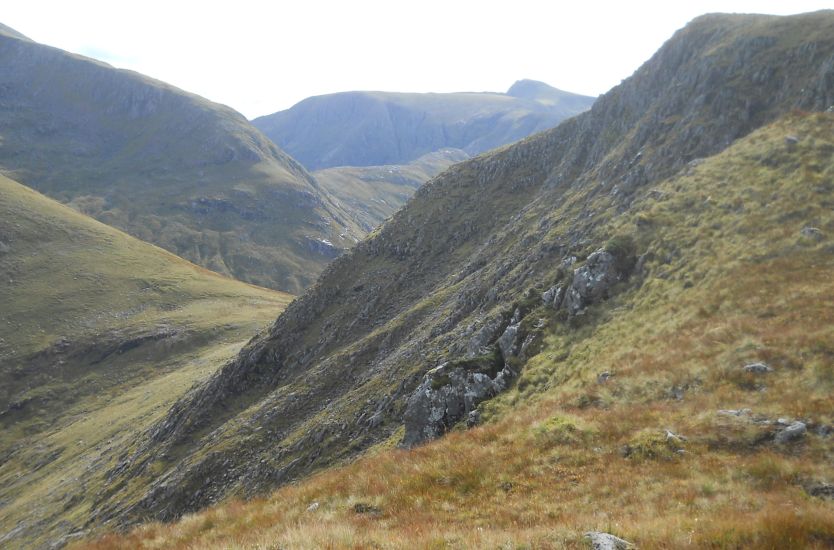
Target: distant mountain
{"x":373,"y":193}
{"x":587,"y":291}
{"x":377,"y":128}
{"x":99,"y":333}
{"x":164,"y":165}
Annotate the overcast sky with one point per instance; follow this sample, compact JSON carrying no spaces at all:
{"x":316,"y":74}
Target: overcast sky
{"x":260,"y":57}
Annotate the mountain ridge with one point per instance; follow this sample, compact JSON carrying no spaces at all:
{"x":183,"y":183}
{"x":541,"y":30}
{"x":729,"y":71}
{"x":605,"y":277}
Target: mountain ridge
{"x":366,"y":128}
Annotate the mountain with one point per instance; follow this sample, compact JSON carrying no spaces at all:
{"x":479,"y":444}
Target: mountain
{"x":99,"y":334}
{"x":378,"y":128}
{"x":169,"y":167}
{"x":373,"y":193}
{"x":636,"y":302}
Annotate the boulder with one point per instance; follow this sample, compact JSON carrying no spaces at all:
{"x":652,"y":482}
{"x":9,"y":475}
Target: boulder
{"x":757,"y":368}
{"x":812,"y":233}
{"x":793,"y":433}
{"x":606,"y":541}
{"x":592,"y":281}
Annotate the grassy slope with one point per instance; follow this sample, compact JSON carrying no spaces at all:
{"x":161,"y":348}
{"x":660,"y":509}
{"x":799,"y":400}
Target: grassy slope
{"x":166,"y":166}
{"x":99,"y":333}
{"x":373,"y":193}
{"x":730,"y":280}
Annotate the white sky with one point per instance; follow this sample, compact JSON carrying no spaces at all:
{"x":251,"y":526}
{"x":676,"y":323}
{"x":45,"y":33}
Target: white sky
{"x":261,"y":57}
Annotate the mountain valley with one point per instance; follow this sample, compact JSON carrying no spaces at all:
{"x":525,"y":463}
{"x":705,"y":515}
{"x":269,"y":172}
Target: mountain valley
{"x":523,"y":320}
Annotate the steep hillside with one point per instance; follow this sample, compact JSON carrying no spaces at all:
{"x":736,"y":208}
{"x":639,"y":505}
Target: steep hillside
{"x":99,"y":334}
{"x":637,"y":418}
{"x":373,"y":193}
{"x":377,"y":128}
{"x":441,"y":308}
{"x":169,"y":167}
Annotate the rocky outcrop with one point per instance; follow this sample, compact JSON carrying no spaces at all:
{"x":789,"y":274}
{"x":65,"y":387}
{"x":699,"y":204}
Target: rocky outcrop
{"x":592,"y":282}
{"x":449,"y":394}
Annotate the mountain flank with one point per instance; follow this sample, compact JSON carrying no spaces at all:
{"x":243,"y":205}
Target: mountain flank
{"x":597,"y":292}
{"x":169,"y":167}
{"x":384,"y":128}
{"x":373,"y":193}
{"x":99,"y":334}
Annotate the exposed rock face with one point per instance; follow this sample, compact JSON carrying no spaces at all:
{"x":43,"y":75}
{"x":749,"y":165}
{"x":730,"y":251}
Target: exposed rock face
{"x":592,"y":281}
{"x":448,"y":394}
{"x":508,"y":342}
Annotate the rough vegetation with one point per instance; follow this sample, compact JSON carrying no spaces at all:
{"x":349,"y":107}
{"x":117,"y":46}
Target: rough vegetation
{"x":99,"y":334}
{"x":169,"y":167}
{"x":378,"y":128}
{"x":688,"y":213}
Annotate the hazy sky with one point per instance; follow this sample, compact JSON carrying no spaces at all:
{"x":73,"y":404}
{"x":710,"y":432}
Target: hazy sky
{"x":260,"y":57}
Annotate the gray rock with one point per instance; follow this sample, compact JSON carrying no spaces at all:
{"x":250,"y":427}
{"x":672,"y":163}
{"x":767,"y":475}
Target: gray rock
{"x":812,"y":233}
{"x":553,"y":296}
{"x":734,"y":412}
{"x":482,"y":338}
{"x":791,"y":140}
{"x":606,"y":541}
{"x":757,"y":368}
{"x":473,"y":418}
{"x":446,"y":395}
{"x":508,"y":342}
{"x":821,"y":490}
{"x":592,"y":281}
{"x":313,"y":507}
{"x":791,"y":434}
{"x":603,"y":377}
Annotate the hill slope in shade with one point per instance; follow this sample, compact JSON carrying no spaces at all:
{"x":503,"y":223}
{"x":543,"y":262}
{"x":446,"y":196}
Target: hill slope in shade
{"x":377,"y":128}
{"x":442,"y":307}
{"x":373,"y":193}
{"x":166,"y":166}
{"x":99,"y":333}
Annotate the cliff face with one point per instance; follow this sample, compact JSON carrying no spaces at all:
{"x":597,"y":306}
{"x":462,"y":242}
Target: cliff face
{"x":376,"y":128}
{"x":443,"y":282}
{"x":156,"y":161}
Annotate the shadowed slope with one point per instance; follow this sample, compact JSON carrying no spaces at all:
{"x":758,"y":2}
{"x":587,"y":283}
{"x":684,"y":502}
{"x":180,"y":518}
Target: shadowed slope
{"x":164,"y":165}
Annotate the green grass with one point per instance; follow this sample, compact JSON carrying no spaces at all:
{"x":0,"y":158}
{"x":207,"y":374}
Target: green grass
{"x":78,"y":297}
